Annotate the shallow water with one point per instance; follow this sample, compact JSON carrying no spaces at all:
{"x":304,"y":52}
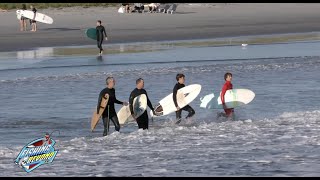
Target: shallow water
{"x":277,"y":134}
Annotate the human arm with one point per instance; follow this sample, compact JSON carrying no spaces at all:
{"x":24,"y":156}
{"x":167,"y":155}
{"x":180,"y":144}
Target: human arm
{"x":105,"y":33}
{"x":131,"y":103}
{"x":120,"y":102}
{"x":101,"y":95}
{"x":34,"y":13}
{"x":174,"y":95}
{"x":223,"y":92}
{"x":149,"y":102}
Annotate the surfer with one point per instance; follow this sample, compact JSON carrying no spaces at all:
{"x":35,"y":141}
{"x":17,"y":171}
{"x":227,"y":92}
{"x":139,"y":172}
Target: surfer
{"x":227,"y":85}
{"x":23,"y":20}
{"x":180,"y":84}
{"x":109,"y":113}
{"x":100,"y":32}
{"x":142,"y":120}
{"x":32,"y":21}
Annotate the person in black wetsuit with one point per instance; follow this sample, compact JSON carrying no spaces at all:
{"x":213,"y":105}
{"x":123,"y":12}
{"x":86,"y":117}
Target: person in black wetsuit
{"x":32,"y":21}
{"x":100,"y":32}
{"x":109,"y":113}
{"x":180,"y":84}
{"x":142,"y":120}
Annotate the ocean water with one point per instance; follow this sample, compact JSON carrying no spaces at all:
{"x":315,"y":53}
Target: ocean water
{"x":277,"y":134}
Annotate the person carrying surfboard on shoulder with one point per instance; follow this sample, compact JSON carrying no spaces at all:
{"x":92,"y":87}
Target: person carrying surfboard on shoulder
{"x":180,"y":84}
{"x":109,"y":113}
{"x":143,"y":119}
{"x":100,"y":32}
{"x":227,"y":85}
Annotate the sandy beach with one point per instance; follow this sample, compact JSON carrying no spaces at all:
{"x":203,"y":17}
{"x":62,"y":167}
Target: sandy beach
{"x":191,"y":21}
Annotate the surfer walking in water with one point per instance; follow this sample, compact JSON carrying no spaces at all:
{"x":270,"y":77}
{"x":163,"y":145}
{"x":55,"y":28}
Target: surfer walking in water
{"x":100,"y":32}
{"x":180,"y":84}
{"x":109,"y":113}
{"x":143,"y":120}
{"x":227,"y":85}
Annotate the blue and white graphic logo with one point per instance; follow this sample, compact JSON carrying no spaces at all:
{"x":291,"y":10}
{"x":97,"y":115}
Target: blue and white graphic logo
{"x":37,"y":153}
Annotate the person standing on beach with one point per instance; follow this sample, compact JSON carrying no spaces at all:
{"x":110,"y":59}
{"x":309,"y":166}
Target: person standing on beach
{"x":227,"y":85}
{"x":180,"y":84}
{"x":32,"y":21}
{"x":109,"y":113}
{"x":23,"y":20}
{"x":143,"y":120}
{"x":100,"y":32}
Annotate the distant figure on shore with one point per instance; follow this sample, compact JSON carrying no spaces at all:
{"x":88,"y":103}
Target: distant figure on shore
{"x":100,"y":32}
{"x":23,"y":20}
{"x":153,"y":7}
{"x":33,"y":23}
{"x":126,"y":7}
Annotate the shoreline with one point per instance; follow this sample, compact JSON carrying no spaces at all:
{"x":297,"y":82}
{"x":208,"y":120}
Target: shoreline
{"x":189,"y":23}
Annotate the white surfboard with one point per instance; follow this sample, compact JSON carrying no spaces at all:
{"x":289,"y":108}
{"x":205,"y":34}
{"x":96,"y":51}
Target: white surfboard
{"x":39,"y":16}
{"x":139,"y":106}
{"x":185,"y":96}
{"x":233,"y":98}
{"x":121,"y":9}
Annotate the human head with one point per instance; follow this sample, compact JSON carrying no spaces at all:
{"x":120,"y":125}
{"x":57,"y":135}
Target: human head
{"x":47,"y":136}
{"x":180,"y":78}
{"x":228,"y":76}
{"x":140,"y":83}
{"x":110,"y":81}
{"x":98,"y":22}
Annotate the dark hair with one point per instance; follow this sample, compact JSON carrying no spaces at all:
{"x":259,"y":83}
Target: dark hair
{"x":24,"y":7}
{"x":179,"y":76}
{"x":110,"y":77}
{"x":226,"y":75}
{"x":99,"y":21}
{"x":139,"y":80}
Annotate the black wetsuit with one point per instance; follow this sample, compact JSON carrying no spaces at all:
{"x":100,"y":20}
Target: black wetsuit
{"x":186,"y":108}
{"x":112,"y":112}
{"x":142,"y":120}
{"x":100,"y":32}
{"x":34,"y":11}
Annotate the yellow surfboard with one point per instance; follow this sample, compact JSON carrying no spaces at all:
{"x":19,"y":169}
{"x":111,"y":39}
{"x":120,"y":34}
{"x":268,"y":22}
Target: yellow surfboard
{"x":95,"y":116}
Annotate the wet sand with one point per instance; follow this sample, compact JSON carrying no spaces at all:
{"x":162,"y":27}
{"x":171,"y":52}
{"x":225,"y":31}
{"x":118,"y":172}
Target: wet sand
{"x":189,"y":22}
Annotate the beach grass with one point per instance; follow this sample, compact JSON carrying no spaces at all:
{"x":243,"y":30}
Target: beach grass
{"x":9,"y":6}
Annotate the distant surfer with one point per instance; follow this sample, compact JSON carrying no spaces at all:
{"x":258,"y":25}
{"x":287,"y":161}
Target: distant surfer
{"x":143,"y":120}
{"x":33,"y":22}
{"x":23,"y":20}
{"x":227,"y":85}
{"x":180,"y":84}
{"x":100,"y":32}
{"x":109,"y":113}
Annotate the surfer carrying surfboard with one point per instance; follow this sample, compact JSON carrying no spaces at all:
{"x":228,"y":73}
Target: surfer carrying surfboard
{"x":109,"y":113}
{"x":143,"y":119}
{"x":227,"y":85}
{"x":100,"y":32}
{"x":32,"y":21}
{"x":180,"y":84}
